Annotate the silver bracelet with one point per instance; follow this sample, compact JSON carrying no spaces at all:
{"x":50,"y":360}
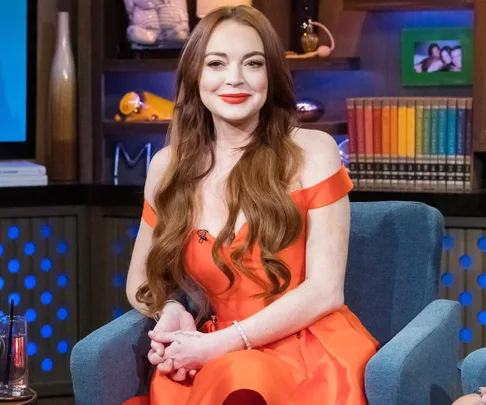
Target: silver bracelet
{"x":156,"y":316}
{"x":243,"y":335}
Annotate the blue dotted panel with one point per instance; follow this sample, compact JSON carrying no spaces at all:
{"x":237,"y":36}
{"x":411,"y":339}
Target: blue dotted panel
{"x":466,"y":261}
{"x":29,"y":252}
{"x":121,"y":243}
{"x":448,"y":242}
{"x":466,"y":335}
{"x":482,"y":317}
{"x":482,"y":244}
{"x":465,"y":298}
{"x":447,"y":279}
{"x":47,"y":364}
{"x":46,"y":264}
{"x":482,"y":280}
{"x":13,"y":232}
{"x":13,"y":266}
{"x":29,"y":248}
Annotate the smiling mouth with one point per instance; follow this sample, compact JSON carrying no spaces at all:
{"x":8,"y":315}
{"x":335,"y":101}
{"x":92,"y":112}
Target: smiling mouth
{"x":234,"y":98}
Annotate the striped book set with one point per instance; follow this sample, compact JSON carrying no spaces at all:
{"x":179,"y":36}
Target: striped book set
{"x":410,"y":144}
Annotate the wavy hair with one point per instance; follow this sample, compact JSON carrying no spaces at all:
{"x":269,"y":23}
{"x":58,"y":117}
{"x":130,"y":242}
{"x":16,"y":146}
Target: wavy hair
{"x":257,"y":185}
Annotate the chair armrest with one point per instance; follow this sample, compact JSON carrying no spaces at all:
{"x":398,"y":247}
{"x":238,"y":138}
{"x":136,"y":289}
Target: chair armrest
{"x":110,"y":365}
{"x":473,"y":371}
{"x":418,"y":365}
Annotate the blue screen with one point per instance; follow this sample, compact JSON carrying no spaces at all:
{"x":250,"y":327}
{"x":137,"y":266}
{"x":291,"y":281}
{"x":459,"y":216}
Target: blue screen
{"x":13,"y":71}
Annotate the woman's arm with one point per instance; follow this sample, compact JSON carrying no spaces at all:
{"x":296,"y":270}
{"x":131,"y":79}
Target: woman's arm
{"x":137,"y":271}
{"x":322,"y":292}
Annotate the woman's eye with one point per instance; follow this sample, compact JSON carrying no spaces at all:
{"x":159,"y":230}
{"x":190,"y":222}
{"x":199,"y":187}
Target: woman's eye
{"x":255,"y":63}
{"x":215,"y":64}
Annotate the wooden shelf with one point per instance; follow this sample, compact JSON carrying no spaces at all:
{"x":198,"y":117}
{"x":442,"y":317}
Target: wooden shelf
{"x":111,"y":128}
{"x":114,"y":128}
{"x":406,"y":5}
{"x":170,"y":64}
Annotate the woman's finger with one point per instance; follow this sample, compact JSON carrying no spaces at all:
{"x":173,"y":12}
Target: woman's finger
{"x":179,"y":375}
{"x":166,"y":367}
{"x":159,"y":348}
{"x":154,"y":358}
{"x":192,"y":373}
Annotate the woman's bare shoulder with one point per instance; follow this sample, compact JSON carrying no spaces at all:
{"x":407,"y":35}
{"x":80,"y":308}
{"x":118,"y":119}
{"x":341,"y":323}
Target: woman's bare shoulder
{"x":158,"y":165}
{"x":321,"y":155}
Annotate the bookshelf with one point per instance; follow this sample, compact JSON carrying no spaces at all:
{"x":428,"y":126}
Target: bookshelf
{"x":115,"y":128}
{"x":406,"y":5}
{"x":169,"y":64}
{"x":99,"y":56}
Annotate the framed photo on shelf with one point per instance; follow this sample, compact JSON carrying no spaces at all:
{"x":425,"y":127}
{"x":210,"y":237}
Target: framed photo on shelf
{"x":437,"y":56}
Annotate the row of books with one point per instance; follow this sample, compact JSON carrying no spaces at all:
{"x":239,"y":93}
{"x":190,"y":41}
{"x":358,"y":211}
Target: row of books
{"x":410,"y":144}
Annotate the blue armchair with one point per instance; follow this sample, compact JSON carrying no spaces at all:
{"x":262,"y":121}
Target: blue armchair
{"x":391,"y":284}
{"x":473,"y":371}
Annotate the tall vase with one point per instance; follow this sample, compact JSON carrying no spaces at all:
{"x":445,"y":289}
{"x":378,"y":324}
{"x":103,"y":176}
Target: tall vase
{"x":63,"y":162}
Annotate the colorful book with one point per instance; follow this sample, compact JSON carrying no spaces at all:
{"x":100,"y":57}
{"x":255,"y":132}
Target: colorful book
{"x":352,"y":142}
{"x":360,"y":141}
{"x":402,"y":143}
{"x":377,"y":144}
{"x":460,"y":145}
{"x":386,"y":145}
{"x":451,"y":147}
{"x":434,"y":143}
{"x":419,"y":155}
{"x":410,"y":148}
{"x":368,"y":136}
{"x":468,"y":147}
{"x":394,"y":144}
{"x":426,"y":156}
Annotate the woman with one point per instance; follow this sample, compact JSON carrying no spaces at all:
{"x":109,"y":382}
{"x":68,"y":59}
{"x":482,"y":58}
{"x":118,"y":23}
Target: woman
{"x":249,"y":215}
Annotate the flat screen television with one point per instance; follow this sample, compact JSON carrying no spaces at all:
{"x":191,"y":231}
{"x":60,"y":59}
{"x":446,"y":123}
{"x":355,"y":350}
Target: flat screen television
{"x":18,"y":44}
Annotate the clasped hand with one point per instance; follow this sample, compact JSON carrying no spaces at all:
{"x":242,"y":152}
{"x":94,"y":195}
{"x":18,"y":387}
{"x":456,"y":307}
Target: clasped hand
{"x":190,"y":350}
{"x":184,"y":355}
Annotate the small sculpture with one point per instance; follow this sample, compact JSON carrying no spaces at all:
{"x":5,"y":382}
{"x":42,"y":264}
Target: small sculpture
{"x":157,"y":22}
{"x":309,"y":110}
{"x":144,"y":106}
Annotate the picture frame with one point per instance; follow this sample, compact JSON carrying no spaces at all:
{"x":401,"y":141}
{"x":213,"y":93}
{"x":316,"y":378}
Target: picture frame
{"x":437,"y":56}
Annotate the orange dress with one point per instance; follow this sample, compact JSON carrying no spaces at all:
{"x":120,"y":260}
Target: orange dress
{"x":322,"y":364}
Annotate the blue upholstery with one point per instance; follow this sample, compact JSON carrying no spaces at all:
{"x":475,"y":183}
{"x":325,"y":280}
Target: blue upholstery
{"x":473,"y":371}
{"x":391,"y":284}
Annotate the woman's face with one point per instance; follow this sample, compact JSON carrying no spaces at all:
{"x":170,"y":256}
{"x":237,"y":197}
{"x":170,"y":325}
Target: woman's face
{"x":446,"y":56}
{"x":435,"y":51}
{"x":234,"y":83}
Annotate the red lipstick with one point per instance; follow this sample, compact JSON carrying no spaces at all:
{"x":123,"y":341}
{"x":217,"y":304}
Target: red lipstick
{"x":234,"y":98}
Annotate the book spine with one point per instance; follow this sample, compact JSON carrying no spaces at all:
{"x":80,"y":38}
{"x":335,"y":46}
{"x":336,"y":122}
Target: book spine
{"x":426,"y":145}
{"x":352,"y":142}
{"x":377,"y":144}
{"x":410,"y":144}
{"x":468,"y":147}
{"x":368,"y":127}
{"x":419,"y":124}
{"x":434,"y":143}
{"x":360,"y":138}
{"x":386,"y":147}
{"x":442,"y":146}
{"x":460,"y":145}
{"x":394,"y":143}
{"x":451,"y":145}
{"x":402,"y":143}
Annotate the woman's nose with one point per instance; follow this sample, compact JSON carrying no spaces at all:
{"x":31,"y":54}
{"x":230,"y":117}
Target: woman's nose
{"x":234,"y":76}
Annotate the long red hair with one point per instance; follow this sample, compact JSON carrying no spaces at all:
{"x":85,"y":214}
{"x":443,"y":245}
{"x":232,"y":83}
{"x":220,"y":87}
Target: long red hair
{"x":258,"y":184}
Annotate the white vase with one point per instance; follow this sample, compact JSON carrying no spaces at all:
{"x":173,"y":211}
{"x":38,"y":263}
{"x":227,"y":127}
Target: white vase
{"x":63,"y":162}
